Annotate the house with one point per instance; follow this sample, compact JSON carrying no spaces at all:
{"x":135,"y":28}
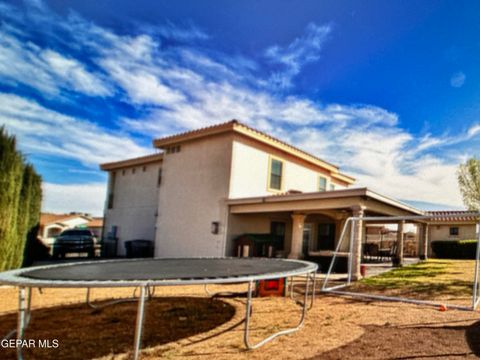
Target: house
{"x":51,"y":225}
{"x":204,"y":188}
{"x":453,"y":225}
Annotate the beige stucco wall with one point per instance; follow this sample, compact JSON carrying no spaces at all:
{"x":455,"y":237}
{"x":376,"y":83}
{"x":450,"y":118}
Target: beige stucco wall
{"x":192,"y":196}
{"x":135,"y":204}
{"x":250,"y":166}
{"x":442,"y":232}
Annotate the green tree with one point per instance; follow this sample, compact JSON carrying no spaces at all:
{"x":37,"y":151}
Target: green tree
{"x":469,"y":182}
{"x":20,"y":201}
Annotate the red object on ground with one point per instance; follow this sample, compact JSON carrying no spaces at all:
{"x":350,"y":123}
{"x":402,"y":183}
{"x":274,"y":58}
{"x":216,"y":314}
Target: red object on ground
{"x":274,"y":287}
{"x":442,"y":308}
{"x":363,"y":270}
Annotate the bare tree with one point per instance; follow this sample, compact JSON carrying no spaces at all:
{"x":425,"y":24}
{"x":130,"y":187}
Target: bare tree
{"x":469,"y":182}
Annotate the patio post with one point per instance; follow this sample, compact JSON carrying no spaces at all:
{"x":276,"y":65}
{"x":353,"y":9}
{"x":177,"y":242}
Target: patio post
{"x":424,"y":243}
{"x":400,"y":243}
{"x":357,"y":211}
{"x":298,"y":221}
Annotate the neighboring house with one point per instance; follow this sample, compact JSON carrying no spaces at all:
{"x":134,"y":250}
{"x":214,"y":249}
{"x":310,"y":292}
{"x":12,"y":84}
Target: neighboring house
{"x":454,"y":225}
{"x":209,"y":186}
{"x":51,"y":225}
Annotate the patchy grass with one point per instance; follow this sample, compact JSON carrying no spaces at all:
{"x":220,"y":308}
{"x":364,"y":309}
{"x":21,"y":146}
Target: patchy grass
{"x":450,"y":280}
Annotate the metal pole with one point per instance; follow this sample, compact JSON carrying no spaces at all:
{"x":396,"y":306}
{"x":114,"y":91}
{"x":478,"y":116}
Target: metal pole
{"x":139,"y":323}
{"x":314,"y":274}
{"x":340,"y":240}
{"x":397,"y":299}
{"x":21,"y":319}
{"x":350,"y":253}
{"x":475,"y":277}
{"x":248,"y":311}
{"x":291,"y":286}
{"x":279,"y":333}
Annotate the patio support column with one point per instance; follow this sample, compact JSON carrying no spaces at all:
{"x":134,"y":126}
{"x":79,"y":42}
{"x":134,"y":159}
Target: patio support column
{"x":357,"y":211}
{"x":298,"y":221}
{"x":424,"y":242}
{"x":400,"y":242}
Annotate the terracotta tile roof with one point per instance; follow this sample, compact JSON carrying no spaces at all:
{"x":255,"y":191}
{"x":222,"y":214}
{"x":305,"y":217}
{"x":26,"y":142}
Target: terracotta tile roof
{"x":142,"y":160}
{"x":96,"y":222}
{"x":235,"y":125}
{"x":453,"y":216}
{"x":50,"y":218}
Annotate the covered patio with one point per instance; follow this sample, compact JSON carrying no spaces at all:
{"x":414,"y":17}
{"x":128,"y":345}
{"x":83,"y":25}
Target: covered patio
{"x":310,"y":224}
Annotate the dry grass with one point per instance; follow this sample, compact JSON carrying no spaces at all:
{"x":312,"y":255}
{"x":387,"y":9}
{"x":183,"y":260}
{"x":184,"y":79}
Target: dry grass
{"x":448,"y":281}
{"x":183,"y":323}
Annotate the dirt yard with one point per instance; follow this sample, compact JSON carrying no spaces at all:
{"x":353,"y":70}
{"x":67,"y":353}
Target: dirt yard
{"x":181,"y":322}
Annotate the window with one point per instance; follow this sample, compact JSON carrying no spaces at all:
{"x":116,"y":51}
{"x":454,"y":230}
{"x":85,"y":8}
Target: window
{"x":277,"y":230}
{"x":322,"y":183}
{"x":159,"y":179}
{"x":173,"y":149}
{"x":332,"y":187}
{"x":454,"y":231}
{"x":133,"y":170}
{"x":144,"y":168}
{"x":326,"y":237}
{"x":111,"y":189}
{"x":110,"y":201}
{"x":276,"y":171}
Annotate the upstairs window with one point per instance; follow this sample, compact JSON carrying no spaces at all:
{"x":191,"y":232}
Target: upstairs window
{"x":111,"y":189}
{"x":110,"y":201}
{"x":332,"y":187}
{"x":173,"y":149}
{"x":322,"y":183}
{"x":159,"y":179}
{"x":454,"y":231}
{"x":276,"y":173}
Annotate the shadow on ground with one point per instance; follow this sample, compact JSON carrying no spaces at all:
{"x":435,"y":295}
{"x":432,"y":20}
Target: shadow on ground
{"x":84,"y":333}
{"x":417,"y":341}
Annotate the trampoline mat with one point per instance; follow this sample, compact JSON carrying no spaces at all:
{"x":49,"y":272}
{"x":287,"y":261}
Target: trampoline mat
{"x":166,"y":269}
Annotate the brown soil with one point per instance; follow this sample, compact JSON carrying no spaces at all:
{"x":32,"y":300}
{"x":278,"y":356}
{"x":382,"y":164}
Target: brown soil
{"x":416,"y":341}
{"x":336,"y":328}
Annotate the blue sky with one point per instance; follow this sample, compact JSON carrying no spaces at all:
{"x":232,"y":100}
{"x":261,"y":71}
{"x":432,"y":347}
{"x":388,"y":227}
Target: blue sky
{"x":388,"y":90}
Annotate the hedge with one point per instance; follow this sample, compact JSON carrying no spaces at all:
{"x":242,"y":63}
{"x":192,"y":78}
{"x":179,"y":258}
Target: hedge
{"x":455,"y":249}
{"x":20,"y":202}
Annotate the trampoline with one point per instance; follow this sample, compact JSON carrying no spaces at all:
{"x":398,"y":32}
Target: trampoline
{"x":146,"y":274}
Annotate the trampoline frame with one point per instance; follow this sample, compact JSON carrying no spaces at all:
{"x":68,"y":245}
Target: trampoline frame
{"x":25,"y":285}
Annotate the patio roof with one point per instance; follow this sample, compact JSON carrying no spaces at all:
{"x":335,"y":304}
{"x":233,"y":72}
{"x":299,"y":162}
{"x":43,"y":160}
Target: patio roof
{"x":327,"y":200}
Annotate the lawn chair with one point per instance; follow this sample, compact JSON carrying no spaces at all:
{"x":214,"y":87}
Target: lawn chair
{"x":387,"y":253}
{"x":371,"y":251}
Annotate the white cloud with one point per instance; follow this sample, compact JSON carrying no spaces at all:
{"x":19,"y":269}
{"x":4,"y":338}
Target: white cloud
{"x":65,"y":198}
{"x":22,"y":62}
{"x":44,"y":131}
{"x":458,"y":79}
{"x":474,"y":130}
{"x":301,"y":51}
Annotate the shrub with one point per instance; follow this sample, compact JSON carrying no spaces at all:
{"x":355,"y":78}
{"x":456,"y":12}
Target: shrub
{"x":20,"y":201}
{"x":455,"y":249}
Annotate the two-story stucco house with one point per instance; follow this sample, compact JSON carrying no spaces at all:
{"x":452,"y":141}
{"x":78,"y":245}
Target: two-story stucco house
{"x":206,"y":187}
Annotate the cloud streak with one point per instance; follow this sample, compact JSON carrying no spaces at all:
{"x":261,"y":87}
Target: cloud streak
{"x":458,"y":79}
